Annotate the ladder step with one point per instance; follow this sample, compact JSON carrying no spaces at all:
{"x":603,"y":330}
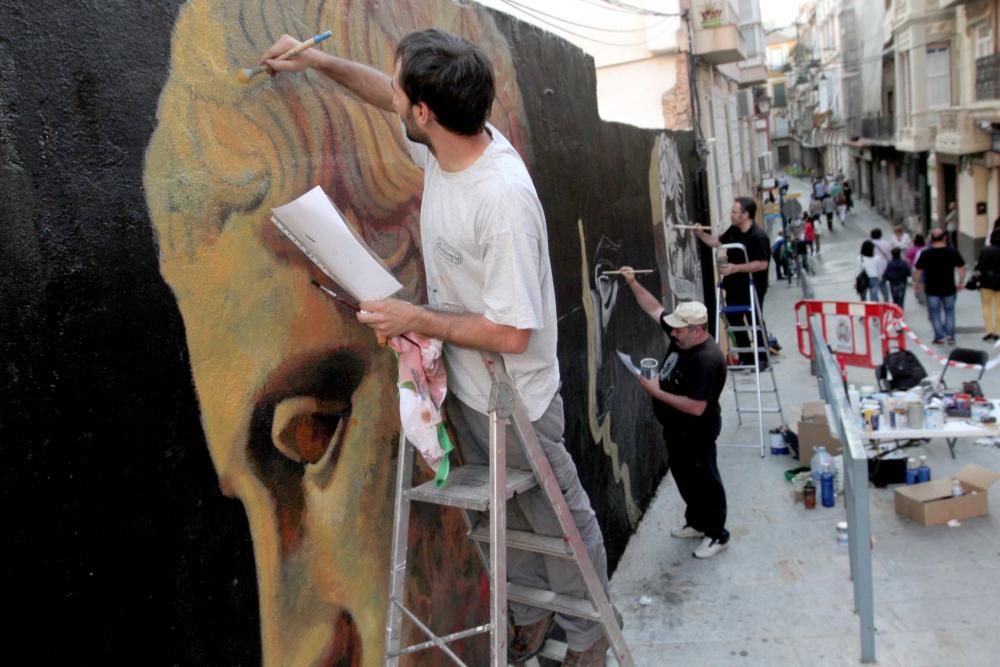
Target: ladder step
{"x":468,"y":487}
{"x":735,"y":309}
{"x":742,"y":327}
{"x":525,"y":541}
{"x":754,"y":391}
{"x":563,"y":604}
{"x":772,"y":411}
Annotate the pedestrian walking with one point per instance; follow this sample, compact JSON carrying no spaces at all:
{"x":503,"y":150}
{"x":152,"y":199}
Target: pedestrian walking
{"x":828,"y":211}
{"x":884,"y":253}
{"x":900,"y":239}
{"x":919,"y":243}
{"x":988,"y":269}
{"x":896,"y":274}
{"x":809,"y":234}
{"x":842,"y":208}
{"x":937,"y":264}
{"x":951,"y":224}
{"x":847,"y":196}
{"x":873,"y":267}
{"x":778,"y":254}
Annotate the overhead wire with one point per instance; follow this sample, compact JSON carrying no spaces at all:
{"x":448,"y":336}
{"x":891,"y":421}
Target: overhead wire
{"x":526,"y":9}
{"x":538,"y":16}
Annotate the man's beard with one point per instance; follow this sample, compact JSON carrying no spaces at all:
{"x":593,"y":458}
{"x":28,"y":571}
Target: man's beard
{"x":412,"y":133}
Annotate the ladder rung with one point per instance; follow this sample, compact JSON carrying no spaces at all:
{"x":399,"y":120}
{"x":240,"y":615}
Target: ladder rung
{"x":468,"y":487}
{"x":563,"y":604}
{"x":768,"y":410}
{"x":754,"y":391}
{"x":740,"y":367}
{"x":525,"y":541}
{"x":747,"y":349}
{"x":735,"y":309}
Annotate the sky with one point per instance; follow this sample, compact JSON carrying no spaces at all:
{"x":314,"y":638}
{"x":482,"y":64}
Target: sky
{"x":777,"y":13}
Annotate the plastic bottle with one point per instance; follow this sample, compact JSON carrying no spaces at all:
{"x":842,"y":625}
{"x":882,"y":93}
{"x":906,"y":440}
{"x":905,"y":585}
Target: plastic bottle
{"x":809,"y":495}
{"x":826,"y":484}
{"x":956,"y":488}
{"x":912,"y":473}
{"x":819,"y":459}
{"x":923,"y":470}
{"x":854,"y":396}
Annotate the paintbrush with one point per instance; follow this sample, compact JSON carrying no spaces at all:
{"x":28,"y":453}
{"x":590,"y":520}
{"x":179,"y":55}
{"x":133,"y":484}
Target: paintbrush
{"x":619,"y":272}
{"x":247,"y":73}
{"x":333,"y":295}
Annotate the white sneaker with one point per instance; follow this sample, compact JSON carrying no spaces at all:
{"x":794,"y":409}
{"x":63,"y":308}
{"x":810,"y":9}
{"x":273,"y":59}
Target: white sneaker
{"x":686,"y":533}
{"x":709,"y":547}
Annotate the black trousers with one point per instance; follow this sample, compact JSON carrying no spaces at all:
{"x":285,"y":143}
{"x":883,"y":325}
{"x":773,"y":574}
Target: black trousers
{"x":692,"y":462}
{"x":741,"y":297}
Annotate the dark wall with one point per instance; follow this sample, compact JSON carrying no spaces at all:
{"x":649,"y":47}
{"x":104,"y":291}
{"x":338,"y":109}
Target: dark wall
{"x":121,"y":544}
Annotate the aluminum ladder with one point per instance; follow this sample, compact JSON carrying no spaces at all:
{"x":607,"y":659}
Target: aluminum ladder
{"x":478,"y":488}
{"x":756,"y":332}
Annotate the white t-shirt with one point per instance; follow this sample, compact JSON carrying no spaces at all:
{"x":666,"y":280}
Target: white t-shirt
{"x":485,"y":246}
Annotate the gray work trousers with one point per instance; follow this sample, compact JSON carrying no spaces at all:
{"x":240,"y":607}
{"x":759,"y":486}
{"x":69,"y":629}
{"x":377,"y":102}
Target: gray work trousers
{"x":531,"y":511}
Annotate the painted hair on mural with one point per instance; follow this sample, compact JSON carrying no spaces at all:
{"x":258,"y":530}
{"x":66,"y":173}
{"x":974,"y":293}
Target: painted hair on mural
{"x":453,"y":77}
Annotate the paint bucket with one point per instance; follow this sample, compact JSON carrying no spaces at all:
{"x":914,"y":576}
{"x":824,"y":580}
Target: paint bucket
{"x":648,"y":367}
{"x":842,"y":532}
{"x":778,"y":446}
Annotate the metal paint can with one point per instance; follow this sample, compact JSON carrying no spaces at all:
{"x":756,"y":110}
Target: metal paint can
{"x":648,"y":367}
{"x":842,"y":532}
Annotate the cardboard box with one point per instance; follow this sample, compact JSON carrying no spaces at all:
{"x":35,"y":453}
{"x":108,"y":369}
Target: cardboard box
{"x":931,"y":503}
{"x":813,"y":430}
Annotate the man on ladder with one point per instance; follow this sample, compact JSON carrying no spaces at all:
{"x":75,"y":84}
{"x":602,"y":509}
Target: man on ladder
{"x":736,"y":271}
{"x":480,"y":222}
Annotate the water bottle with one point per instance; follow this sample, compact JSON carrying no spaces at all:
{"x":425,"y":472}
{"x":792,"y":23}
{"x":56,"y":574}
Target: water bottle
{"x":911,"y":471}
{"x":923,"y":470}
{"x":854,"y":397}
{"x":956,"y":488}
{"x":826,"y":484}
{"x":819,"y":459}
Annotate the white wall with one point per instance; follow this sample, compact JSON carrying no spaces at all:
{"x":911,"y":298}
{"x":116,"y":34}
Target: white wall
{"x":633,"y":93}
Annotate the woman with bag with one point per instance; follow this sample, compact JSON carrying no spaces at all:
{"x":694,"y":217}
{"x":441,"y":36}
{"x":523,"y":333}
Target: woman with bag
{"x":870,"y":268}
{"x":987,"y":272}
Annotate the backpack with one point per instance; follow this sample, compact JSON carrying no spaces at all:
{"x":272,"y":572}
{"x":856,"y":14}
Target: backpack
{"x":901,"y":370}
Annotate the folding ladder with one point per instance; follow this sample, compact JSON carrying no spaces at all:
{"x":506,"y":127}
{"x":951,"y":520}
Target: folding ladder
{"x":756,"y":332}
{"x":478,"y":488}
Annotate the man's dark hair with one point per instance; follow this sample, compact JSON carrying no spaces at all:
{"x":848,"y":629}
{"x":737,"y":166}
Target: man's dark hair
{"x":995,"y":237}
{"x":896,"y":252}
{"x":919,"y":240}
{"x":876,"y":233}
{"x":748,"y":206}
{"x":868,"y":248}
{"x":453,"y":77}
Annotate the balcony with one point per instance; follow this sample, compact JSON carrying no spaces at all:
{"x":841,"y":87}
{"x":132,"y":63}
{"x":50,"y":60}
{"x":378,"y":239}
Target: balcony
{"x":988,"y":77}
{"x":958,"y":134}
{"x":717,"y":35}
{"x":878,"y":127}
{"x":916,"y":135}
{"x":753,"y":71}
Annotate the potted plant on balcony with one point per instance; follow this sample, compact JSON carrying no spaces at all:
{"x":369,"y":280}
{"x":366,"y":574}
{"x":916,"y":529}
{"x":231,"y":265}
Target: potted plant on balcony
{"x":711,"y":15}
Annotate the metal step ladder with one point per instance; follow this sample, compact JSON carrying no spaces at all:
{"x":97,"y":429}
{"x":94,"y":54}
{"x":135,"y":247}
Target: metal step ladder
{"x":473,"y":488}
{"x":756,"y":332}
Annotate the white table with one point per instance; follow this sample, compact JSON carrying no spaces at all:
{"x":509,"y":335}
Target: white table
{"x":954,"y":428}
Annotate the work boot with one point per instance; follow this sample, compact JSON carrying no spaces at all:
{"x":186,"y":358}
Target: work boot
{"x":525,"y":641}
{"x":595,"y":656}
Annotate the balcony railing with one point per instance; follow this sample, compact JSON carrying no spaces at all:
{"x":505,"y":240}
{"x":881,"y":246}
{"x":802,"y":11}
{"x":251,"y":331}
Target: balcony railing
{"x":717,"y":35}
{"x":957,"y":133}
{"x":988,"y":77}
{"x":878,"y":127}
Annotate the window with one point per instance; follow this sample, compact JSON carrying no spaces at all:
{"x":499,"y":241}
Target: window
{"x":778,"y":95}
{"x":938,"y":76}
{"x":983,"y":35}
{"x":775,"y":58}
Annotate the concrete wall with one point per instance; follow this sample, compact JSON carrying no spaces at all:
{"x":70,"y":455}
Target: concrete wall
{"x":154,"y":325}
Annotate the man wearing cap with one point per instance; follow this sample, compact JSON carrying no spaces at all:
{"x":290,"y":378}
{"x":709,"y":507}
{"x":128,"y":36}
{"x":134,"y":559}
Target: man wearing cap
{"x":686,"y":402}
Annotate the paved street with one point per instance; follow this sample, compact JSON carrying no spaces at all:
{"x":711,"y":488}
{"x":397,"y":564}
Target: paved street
{"x":781,"y":594}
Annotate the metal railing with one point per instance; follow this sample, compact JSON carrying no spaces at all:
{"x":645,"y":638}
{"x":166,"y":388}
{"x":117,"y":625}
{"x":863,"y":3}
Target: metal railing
{"x":988,"y":77}
{"x":878,"y":127}
{"x":831,"y":390}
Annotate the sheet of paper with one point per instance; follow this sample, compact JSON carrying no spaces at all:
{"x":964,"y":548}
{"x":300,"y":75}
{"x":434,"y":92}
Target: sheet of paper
{"x":627,"y":360}
{"x":315,"y":225}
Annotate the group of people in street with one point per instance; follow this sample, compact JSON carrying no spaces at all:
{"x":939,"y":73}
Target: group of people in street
{"x":937,"y":271}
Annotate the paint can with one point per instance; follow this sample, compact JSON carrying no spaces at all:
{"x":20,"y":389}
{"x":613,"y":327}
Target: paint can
{"x":842,"y":532}
{"x":648,"y":367}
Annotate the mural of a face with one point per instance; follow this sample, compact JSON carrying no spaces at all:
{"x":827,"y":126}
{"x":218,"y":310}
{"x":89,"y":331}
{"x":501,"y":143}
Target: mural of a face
{"x":684,"y":277}
{"x":297,"y":401}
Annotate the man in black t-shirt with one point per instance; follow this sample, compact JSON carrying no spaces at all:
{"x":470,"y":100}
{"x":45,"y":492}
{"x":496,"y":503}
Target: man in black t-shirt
{"x":736,"y":277}
{"x":936,"y":267}
{"x":686,"y":402}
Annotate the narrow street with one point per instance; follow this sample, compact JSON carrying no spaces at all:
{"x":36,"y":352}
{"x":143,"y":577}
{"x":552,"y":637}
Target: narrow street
{"x":781,"y":594}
